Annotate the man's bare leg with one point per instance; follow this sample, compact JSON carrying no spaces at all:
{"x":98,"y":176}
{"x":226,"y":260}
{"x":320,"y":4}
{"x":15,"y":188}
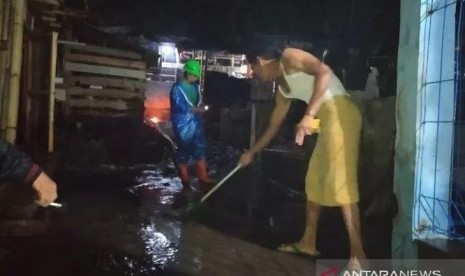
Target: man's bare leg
{"x":351,"y":215}
{"x":307,"y":243}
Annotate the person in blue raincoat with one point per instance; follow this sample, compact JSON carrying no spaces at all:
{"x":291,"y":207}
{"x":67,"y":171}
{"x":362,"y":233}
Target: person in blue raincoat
{"x":188,"y":125}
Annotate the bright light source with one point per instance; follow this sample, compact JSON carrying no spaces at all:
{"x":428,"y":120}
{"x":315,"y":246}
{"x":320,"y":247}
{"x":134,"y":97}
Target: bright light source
{"x":206,"y":107}
{"x":167,"y":50}
{"x":155,"y":120}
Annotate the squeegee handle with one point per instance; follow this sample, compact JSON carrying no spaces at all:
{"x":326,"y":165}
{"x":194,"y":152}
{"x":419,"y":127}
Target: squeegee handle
{"x":217,"y":186}
{"x":167,"y":137}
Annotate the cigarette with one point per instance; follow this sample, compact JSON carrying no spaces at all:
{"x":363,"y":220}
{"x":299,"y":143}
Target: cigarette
{"x":54,"y":204}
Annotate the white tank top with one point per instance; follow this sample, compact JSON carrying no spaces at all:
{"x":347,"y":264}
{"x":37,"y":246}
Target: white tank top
{"x":301,"y":86}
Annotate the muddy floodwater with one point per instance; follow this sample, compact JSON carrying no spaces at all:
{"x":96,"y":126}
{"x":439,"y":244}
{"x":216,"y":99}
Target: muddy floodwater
{"x":134,"y":220}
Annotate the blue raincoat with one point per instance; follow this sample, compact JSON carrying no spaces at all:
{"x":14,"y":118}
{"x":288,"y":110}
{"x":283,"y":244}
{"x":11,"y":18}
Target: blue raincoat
{"x":188,"y":125}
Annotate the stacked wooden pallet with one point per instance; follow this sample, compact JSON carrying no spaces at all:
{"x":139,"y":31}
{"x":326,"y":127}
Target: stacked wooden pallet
{"x":103,"y":82}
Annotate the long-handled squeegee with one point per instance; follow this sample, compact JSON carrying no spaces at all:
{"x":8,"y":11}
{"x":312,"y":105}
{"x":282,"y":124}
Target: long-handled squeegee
{"x":197,"y":206}
{"x":156,"y":123}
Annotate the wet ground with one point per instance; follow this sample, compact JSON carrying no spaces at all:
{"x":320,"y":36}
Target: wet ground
{"x":132,"y":220}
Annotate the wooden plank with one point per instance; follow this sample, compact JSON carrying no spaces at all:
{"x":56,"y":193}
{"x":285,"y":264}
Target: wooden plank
{"x":54,"y":3}
{"x":107,"y":82}
{"x":103,"y":113}
{"x":69,"y":42}
{"x":54,"y":25}
{"x":48,"y":19}
{"x":68,"y":13}
{"x":60,"y":94}
{"x":105,"y":70}
{"x":99,"y":60}
{"x":96,"y":103}
{"x":104,"y":93}
{"x":104,"y":51}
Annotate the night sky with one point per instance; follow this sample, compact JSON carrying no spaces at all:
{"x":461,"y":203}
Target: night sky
{"x":372,"y":24}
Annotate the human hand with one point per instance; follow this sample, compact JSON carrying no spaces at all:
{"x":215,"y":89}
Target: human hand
{"x":305,"y":127}
{"x":246,"y":158}
{"x":46,"y":190}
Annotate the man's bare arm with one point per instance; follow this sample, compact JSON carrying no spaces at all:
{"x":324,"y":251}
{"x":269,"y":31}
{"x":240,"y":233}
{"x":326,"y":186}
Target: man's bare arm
{"x":298,"y":60}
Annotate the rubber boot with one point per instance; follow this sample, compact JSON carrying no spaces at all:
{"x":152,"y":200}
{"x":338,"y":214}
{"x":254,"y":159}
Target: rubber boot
{"x":202,"y":174}
{"x":184,"y":175}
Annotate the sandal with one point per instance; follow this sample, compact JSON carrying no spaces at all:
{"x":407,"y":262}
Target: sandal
{"x":294,"y":249}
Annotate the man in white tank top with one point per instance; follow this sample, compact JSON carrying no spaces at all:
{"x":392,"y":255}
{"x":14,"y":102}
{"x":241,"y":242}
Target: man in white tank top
{"x":302,"y":76}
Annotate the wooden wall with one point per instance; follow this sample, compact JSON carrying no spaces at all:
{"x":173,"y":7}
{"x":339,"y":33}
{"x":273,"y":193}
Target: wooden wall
{"x":103,"y":82}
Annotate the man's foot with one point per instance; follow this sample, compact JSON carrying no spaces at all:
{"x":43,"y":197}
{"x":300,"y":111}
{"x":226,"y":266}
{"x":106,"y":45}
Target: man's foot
{"x":296,"y":248}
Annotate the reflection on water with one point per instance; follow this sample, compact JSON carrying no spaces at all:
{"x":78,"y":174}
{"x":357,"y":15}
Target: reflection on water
{"x":157,"y":191}
{"x":158,"y":246}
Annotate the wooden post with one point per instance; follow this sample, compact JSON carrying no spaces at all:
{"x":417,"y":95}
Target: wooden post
{"x":2,"y":52}
{"x":253,"y":127}
{"x":6,"y":20}
{"x":53,"y":71}
{"x":16,"y":60}
{"x":3,"y":85}
{"x":6,"y":91}
{"x":203,"y":68}
{"x":2,"y":6}
{"x":7,"y":29}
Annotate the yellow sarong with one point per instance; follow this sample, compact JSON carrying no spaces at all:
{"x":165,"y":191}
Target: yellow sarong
{"x":332,"y":172}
